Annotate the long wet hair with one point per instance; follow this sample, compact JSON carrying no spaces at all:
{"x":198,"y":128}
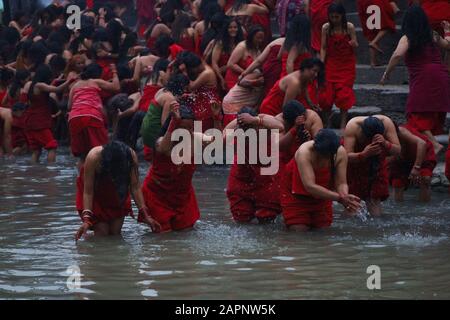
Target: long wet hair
{"x":160,"y":65}
{"x":225,"y":38}
{"x":177,"y":84}
{"x":43,"y":74}
{"x":417,"y":28}
{"x":251,"y":36}
{"x":117,"y":162}
{"x":162,"y":45}
{"x":326,"y":144}
{"x":370,"y":127}
{"x":180,"y":25}
{"x":339,"y":9}
{"x":299,"y":33}
{"x":213,"y":31}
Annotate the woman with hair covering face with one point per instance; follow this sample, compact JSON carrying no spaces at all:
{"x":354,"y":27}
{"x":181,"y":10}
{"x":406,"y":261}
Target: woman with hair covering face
{"x":368,"y":141}
{"x":103,"y":198}
{"x":167,"y":189}
{"x":315,"y":178}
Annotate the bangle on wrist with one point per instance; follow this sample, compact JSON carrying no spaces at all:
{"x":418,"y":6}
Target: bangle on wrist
{"x":417,"y":167}
{"x":87,"y":216}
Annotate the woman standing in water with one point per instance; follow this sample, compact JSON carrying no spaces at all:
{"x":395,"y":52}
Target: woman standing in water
{"x":103,"y":200}
{"x":429,"y":97}
{"x":167,"y":189}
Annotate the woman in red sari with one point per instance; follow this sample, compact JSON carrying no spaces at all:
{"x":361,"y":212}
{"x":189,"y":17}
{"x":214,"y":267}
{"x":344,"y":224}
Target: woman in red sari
{"x":183,"y":33}
{"x":87,"y":121}
{"x":162,"y":25}
{"x":388,"y":10}
{"x":167,"y":189}
{"x":39,"y":118}
{"x":243,"y":55}
{"x":225,"y":44}
{"x":429,"y":82}
{"x":315,"y":178}
{"x":245,"y":11}
{"x":103,"y":199}
{"x":203,"y":97}
{"x":338,"y":43}
{"x":250,"y":193}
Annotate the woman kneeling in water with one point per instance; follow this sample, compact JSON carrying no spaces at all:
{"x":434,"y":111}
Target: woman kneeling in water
{"x":109,"y":174}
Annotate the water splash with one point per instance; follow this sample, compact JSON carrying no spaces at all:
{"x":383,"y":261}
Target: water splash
{"x":363,"y":213}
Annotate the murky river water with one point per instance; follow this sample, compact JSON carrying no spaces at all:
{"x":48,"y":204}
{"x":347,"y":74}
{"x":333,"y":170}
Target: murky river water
{"x":217,"y":260}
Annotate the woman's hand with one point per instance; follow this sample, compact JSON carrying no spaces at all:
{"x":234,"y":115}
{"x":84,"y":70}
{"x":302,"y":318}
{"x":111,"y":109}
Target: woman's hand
{"x":350,"y":202}
{"x":82,"y":231}
{"x":414,"y":176}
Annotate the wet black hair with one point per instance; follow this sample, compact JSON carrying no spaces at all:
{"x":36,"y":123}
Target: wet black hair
{"x":91,"y":71}
{"x":114,"y":30}
{"x":166,"y":16}
{"x":19,"y":106}
{"x":189,"y":59}
{"x":180,"y":25}
{"x":225,"y":38}
{"x":177,"y":83}
{"x":162,"y":45}
{"x":238,"y":4}
{"x":214,"y":29}
{"x":11,"y":35}
{"x":120,"y":102}
{"x":43,"y":74}
{"x":372,"y":126}
{"x":6,"y":75}
{"x":17,"y":83}
{"x":57,"y":63}
{"x":292,"y":110}
{"x":298,"y":33}
{"x":124,"y":71}
{"x":186,"y":113}
{"x":311,"y":63}
{"x":327,"y":143}
{"x":208,"y":9}
{"x":251,"y":35}
{"x":117,"y":163}
{"x":339,"y":9}
{"x":38,"y":53}
{"x":417,"y":28}
{"x":160,"y":65}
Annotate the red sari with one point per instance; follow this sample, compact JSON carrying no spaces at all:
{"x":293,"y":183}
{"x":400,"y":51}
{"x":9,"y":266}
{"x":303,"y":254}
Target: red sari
{"x":200,"y":102}
{"x":299,"y":206}
{"x":169,"y":194}
{"x":106,"y":203}
{"x":399,"y":170}
{"x":39,"y":123}
{"x":319,"y":16}
{"x":231,"y":77}
{"x":271,"y":68}
{"x":298,"y":61}
{"x":187,"y":43}
{"x":429,"y":94}
{"x":148,"y":94}
{"x":340,"y":73}
{"x":18,"y":136}
{"x":251,"y":194}
{"x":387,"y":16}
{"x":273,"y":102}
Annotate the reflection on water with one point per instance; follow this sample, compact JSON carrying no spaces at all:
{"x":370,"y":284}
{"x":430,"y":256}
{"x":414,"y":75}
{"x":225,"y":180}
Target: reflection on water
{"x":217,"y":260}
